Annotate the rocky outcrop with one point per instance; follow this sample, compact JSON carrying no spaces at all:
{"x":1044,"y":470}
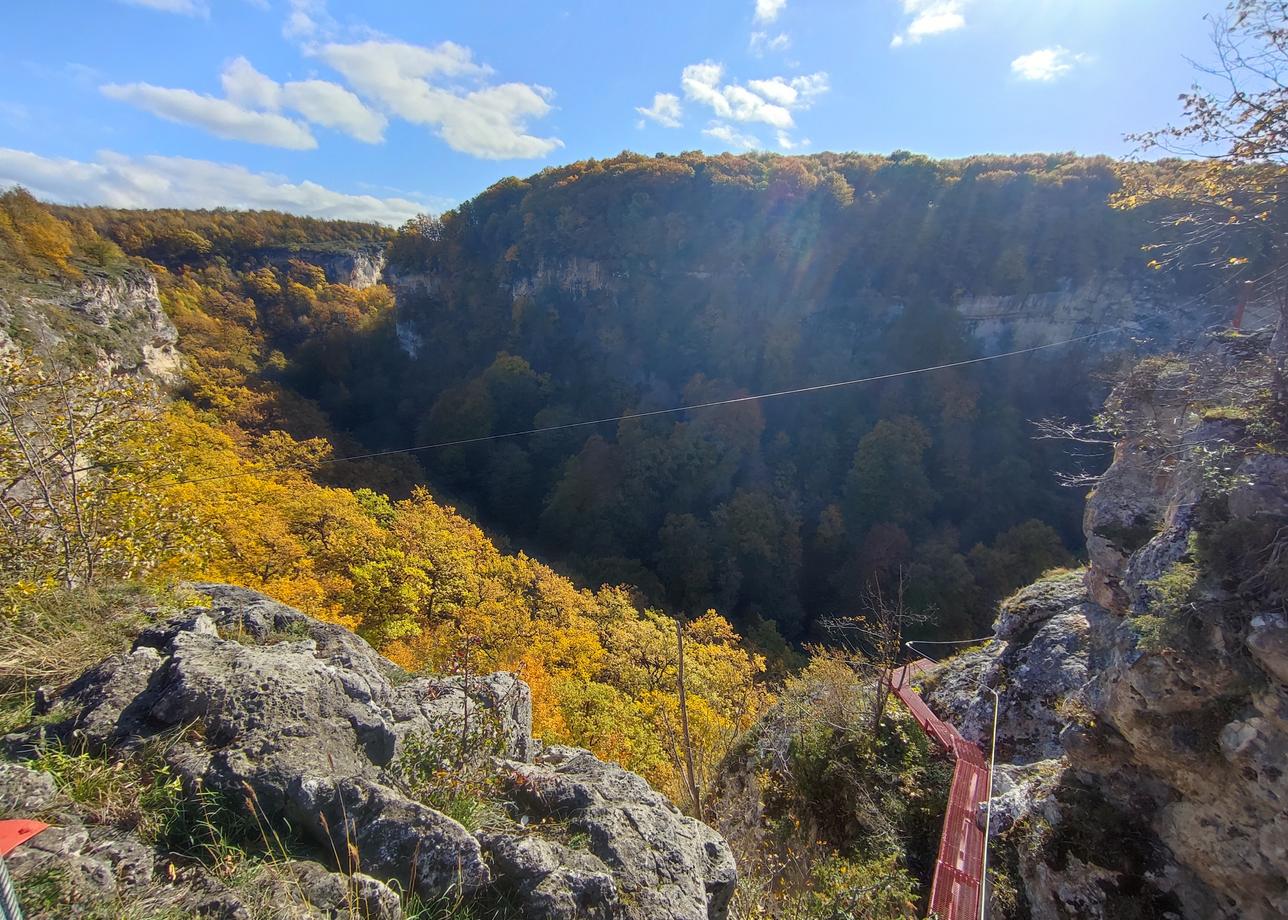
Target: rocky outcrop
{"x":1038,"y":664}
{"x":632,"y":833}
{"x":358,"y":267}
{"x":1144,"y":727}
{"x":114,"y":321}
{"x":1005,"y":321}
{"x":300,"y":723}
{"x":96,"y":870}
{"x":1192,"y":703}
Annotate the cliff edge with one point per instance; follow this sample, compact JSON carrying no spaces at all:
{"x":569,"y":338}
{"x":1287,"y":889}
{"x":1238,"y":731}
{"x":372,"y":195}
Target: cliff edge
{"x":1144,"y":702}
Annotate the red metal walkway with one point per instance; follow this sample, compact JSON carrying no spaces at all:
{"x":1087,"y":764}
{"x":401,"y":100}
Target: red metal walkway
{"x":959,"y":870}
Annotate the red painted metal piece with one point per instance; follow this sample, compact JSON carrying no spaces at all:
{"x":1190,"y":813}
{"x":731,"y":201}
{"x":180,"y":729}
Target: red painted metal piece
{"x":959,"y":869}
{"x":15,"y":833}
{"x":942,"y":733}
{"x":1245,"y":291}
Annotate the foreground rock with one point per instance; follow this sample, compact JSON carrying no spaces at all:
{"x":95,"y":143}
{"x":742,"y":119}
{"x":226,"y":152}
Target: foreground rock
{"x":632,"y":831}
{"x":1144,"y":730}
{"x":301,"y":724}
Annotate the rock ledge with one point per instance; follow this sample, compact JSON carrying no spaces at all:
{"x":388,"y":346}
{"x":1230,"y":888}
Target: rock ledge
{"x":303,"y":724}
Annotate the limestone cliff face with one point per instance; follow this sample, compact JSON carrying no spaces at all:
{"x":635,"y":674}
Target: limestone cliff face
{"x":1144,"y":726}
{"x":114,"y":321}
{"x":358,"y":267}
{"x":1184,"y":536}
{"x":1025,"y":320}
{"x":575,"y":276}
{"x":998,"y":322}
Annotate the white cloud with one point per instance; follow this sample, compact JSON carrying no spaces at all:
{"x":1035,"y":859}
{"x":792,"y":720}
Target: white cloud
{"x":665,"y":110}
{"x":1046,"y":64}
{"x":768,"y":10}
{"x":333,"y":106}
{"x":245,"y":85}
{"x":786,"y":142}
{"x":441,"y":86}
{"x":410,"y":81}
{"x":183,"y":7}
{"x":762,"y":42}
{"x":321,"y":102}
{"x":770,"y":102}
{"x":157,"y":181}
{"x":930,"y":17}
{"x":745,"y":105}
{"x":308,"y":20}
{"x":218,"y":116}
{"x":252,"y":108}
{"x":731,"y":136}
{"x":384,"y":67}
{"x":701,"y":83}
{"x":798,"y":91}
{"x":776,"y":90}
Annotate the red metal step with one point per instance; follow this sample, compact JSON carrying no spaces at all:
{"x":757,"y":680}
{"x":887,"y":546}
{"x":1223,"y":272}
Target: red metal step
{"x":959,"y":870}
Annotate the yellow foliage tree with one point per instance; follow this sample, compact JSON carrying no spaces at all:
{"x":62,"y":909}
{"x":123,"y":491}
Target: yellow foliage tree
{"x":80,"y":456}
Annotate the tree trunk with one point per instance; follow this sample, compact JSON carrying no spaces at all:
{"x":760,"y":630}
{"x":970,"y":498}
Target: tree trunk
{"x":684,"y":725}
{"x":1279,"y":354}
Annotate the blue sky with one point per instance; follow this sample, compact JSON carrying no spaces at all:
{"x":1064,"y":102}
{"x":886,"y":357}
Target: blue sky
{"x":381,"y":109}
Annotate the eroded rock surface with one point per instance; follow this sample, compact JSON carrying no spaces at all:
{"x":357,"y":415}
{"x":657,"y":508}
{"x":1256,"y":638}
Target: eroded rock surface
{"x":1038,"y":664}
{"x":114,"y":321}
{"x":301,"y":723}
{"x":357,"y":266}
{"x":632,"y":831}
{"x":1144,"y":730}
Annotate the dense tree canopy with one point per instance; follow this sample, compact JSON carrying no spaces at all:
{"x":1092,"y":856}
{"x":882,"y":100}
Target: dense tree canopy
{"x":101,"y":480}
{"x":634,"y":283}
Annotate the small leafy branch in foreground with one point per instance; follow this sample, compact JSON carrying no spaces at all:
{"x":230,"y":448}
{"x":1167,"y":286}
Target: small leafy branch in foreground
{"x":450,"y":768}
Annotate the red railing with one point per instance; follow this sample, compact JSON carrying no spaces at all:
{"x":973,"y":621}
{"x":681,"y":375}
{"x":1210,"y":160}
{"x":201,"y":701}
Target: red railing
{"x":959,"y":868}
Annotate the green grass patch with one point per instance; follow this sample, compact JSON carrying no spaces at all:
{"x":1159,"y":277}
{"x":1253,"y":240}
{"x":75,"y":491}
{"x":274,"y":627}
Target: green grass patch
{"x":294,"y":631}
{"x":142,"y":796}
{"x":16,"y":710}
{"x":472,"y":811}
{"x":459,"y":907}
{"x":1227,"y":414}
{"x":1171,"y":610}
{"x":51,"y":895}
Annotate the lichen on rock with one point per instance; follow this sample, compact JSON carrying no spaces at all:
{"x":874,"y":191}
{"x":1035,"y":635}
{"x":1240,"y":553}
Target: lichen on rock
{"x":299,"y":724}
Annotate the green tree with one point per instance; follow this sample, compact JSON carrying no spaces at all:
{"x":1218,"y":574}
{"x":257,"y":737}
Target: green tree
{"x":887,"y":482}
{"x":684,"y":562}
{"x":760,"y":557}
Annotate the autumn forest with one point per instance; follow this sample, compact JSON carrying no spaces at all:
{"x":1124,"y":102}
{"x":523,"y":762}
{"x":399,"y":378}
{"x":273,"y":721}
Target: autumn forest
{"x":307,"y":440}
